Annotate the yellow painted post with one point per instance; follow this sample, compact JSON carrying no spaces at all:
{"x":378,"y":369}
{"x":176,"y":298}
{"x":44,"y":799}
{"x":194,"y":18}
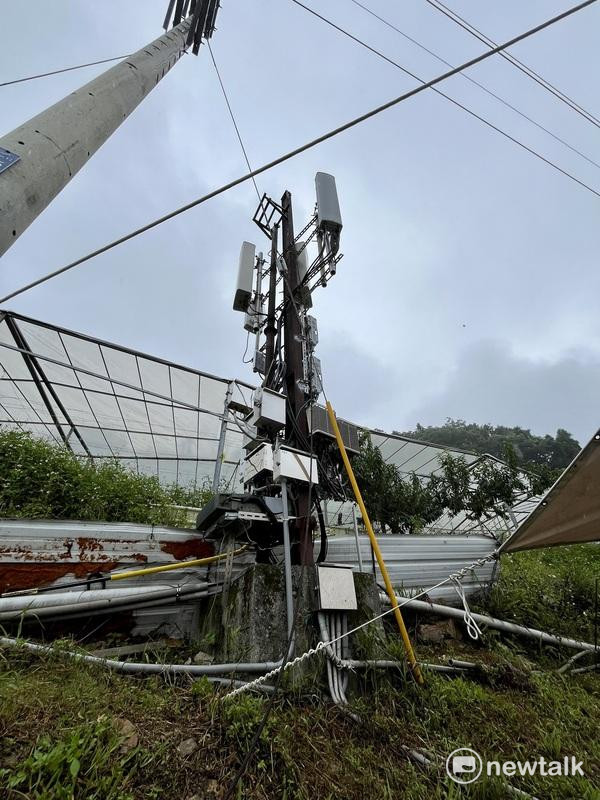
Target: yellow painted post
{"x":197,"y":562}
{"x":375,"y":545}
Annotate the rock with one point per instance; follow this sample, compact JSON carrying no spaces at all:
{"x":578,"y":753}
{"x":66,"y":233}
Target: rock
{"x":435,"y":633}
{"x":213,"y":790}
{"x":187,"y":747}
{"x":202,"y":658}
{"x":126,"y":729}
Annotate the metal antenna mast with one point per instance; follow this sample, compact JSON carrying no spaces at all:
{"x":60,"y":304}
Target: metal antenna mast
{"x":286,"y":463}
{"x":39,"y":158}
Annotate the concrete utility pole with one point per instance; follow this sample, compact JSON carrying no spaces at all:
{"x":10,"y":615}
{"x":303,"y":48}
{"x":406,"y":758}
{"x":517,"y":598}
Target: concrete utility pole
{"x":53,"y":146}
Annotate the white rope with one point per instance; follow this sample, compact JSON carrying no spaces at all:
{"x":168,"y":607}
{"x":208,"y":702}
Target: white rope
{"x":473,"y":628}
{"x":322,"y":645}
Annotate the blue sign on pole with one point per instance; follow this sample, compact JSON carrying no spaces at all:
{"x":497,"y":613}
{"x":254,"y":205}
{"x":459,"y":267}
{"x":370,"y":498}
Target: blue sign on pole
{"x":7,"y":159}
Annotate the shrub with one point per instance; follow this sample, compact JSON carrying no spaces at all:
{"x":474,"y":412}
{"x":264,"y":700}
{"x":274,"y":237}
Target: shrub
{"x":43,"y":480}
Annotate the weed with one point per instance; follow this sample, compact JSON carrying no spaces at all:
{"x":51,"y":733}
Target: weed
{"x":85,"y":764}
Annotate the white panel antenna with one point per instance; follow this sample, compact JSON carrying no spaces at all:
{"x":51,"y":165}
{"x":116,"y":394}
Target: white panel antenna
{"x":329,"y":217}
{"x":243,"y":291}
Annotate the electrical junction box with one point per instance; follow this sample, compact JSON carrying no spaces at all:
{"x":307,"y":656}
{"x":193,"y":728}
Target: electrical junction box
{"x":329,"y":217}
{"x":259,"y":362}
{"x":317,"y":376}
{"x":269,"y":409}
{"x":312,"y":330}
{"x":294,"y":465}
{"x":258,"y":462}
{"x":281,"y":266}
{"x":336,"y":589}
{"x":243,"y":291}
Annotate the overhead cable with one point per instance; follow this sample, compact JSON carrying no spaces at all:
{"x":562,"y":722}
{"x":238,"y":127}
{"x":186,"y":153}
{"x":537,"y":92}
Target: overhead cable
{"x":560,"y":95}
{"x":65,"y":69}
{"x":447,"y":97}
{"x":231,"y":114}
{"x":307,"y":146}
{"x":476,"y":83}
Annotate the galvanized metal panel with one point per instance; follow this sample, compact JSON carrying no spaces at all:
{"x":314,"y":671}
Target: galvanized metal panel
{"x":416,"y":562}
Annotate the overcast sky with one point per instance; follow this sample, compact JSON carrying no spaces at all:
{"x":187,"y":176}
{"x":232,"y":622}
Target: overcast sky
{"x":470,"y":283}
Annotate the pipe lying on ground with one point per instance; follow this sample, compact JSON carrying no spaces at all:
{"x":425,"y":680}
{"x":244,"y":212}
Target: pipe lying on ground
{"x":101,"y":599}
{"x":141,"y":668}
{"x":352,"y":663}
{"x":492,"y":622}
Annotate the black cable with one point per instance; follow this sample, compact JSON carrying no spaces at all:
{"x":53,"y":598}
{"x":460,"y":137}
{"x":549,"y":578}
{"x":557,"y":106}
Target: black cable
{"x":446,"y":97}
{"x":324,"y":545}
{"x":235,"y":125}
{"x":307,"y":146}
{"x":560,"y":95}
{"x":476,"y":83}
{"x":65,"y":69}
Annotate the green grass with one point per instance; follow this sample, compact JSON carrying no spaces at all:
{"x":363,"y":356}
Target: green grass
{"x":42,"y":480}
{"x":59,"y":733}
{"x":551,"y":589}
{"x":61,"y":721}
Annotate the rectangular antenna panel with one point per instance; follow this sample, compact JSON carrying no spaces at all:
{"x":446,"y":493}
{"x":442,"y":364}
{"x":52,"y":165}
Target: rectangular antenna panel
{"x":302,"y":261}
{"x":319,"y":425}
{"x":329,"y":217}
{"x":243,"y":291}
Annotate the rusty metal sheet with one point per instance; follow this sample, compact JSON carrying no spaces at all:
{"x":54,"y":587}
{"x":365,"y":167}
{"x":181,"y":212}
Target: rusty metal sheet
{"x":46,"y":552}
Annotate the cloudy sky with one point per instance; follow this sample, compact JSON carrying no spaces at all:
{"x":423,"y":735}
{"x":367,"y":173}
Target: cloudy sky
{"x":470,"y":283}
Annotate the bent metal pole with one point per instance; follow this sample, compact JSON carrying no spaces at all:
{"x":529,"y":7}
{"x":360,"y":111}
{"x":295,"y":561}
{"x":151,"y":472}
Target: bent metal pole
{"x":53,"y":146}
{"x":375,"y":545}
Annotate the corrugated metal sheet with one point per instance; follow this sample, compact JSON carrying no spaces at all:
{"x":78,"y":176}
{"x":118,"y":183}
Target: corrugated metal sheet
{"x":52,"y":552}
{"x":416,"y":562}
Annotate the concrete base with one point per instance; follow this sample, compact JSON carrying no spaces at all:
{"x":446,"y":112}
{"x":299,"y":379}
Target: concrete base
{"x":249,"y":624}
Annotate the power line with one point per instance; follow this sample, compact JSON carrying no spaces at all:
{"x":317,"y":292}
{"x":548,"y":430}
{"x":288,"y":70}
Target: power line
{"x":560,"y":95}
{"x":307,"y":146}
{"x":235,"y":125}
{"x":476,"y":83}
{"x":447,"y":97}
{"x":65,"y":69}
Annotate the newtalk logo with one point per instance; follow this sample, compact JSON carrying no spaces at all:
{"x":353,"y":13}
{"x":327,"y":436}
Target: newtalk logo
{"x":465,"y":766}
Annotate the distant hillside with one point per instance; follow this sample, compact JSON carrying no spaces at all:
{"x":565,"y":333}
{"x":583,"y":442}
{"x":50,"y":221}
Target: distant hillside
{"x":554,"y":452}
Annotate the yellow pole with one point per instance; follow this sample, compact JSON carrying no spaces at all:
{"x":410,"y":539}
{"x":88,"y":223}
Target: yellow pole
{"x":375,"y":545}
{"x":197,"y":562}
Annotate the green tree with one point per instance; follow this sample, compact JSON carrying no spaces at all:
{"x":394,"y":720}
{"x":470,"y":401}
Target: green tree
{"x":530,"y":451}
{"x":406,"y":504}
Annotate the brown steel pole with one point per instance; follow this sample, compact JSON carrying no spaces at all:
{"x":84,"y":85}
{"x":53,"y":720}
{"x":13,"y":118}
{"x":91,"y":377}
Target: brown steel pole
{"x":270,"y":329}
{"x":296,"y":431}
